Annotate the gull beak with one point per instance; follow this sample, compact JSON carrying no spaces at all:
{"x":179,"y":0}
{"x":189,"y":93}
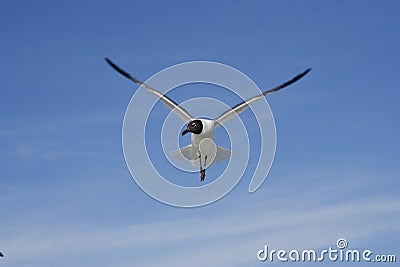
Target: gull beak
{"x":185,"y":132}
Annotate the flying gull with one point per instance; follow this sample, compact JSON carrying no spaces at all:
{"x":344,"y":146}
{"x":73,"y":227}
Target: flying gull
{"x":202,"y":146}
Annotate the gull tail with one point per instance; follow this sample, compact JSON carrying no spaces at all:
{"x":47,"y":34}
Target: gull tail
{"x":187,"y":154}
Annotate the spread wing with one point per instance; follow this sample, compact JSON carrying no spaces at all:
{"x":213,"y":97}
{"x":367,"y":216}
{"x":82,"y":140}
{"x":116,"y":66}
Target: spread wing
{"x":227,"y":115}
{"x":179,"y":111}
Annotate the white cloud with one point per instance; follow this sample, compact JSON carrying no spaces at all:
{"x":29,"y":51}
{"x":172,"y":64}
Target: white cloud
{"x":230,"y":237}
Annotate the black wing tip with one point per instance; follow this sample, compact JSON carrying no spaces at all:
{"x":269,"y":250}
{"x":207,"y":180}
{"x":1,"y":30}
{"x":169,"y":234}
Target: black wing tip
{"x":301,"y":75}
{"x":112,"y":64}
{"x":108,"y":60}
{"x":1,"y":254}
{"x":298,"y":77}
{"x":118,"y":69}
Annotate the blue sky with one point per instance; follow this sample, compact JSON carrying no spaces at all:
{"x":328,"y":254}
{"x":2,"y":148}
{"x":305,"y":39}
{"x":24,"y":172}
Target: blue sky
{"x":66,"y":196}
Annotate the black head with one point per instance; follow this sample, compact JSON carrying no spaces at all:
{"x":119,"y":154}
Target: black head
{"x":194,"y":126}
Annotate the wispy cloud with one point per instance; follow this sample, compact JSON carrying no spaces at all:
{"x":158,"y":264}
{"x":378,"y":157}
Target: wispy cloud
{"x":58,"y":136}
{"x":227,"y":238}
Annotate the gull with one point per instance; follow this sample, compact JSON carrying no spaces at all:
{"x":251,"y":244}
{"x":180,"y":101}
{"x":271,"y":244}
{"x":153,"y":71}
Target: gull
{"x":202,"y":147}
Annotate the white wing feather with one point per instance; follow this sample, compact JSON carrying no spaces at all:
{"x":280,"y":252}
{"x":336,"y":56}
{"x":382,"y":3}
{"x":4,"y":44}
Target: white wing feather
{"x":239,"y":108}
{"x":169,"y":103}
